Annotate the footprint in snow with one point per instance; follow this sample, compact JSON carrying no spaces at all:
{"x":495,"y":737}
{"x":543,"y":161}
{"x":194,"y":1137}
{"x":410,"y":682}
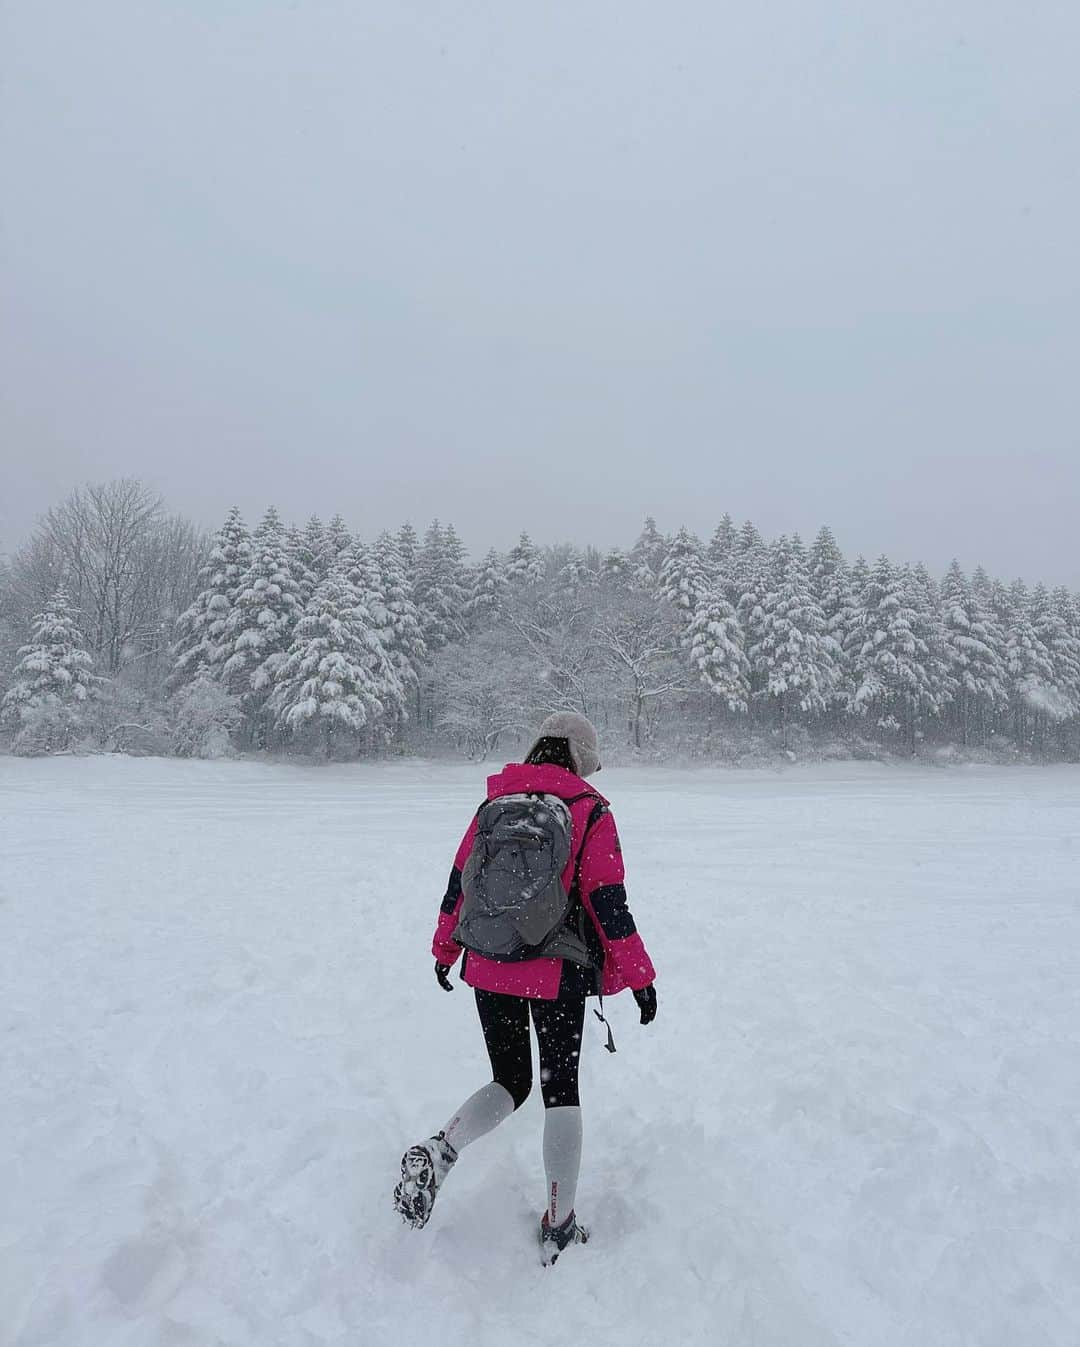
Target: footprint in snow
{"x":144,"y":1274}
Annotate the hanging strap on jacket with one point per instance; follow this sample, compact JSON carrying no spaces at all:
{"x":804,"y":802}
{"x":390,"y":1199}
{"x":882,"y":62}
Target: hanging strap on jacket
{"x":610,"y":1044}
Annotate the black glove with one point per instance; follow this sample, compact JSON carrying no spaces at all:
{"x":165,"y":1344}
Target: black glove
{"x":646,"y":999}
{"x":442,"y":971}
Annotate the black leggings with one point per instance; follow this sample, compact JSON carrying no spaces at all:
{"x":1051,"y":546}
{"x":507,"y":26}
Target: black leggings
{"x":559,"y":1024}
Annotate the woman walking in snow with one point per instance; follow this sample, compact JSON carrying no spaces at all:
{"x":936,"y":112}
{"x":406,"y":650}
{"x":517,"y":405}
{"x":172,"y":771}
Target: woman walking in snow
{"x":537,"y":902}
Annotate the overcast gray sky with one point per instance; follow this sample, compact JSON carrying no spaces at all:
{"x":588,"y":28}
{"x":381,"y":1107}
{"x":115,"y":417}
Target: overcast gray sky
{"x":552,"y":266}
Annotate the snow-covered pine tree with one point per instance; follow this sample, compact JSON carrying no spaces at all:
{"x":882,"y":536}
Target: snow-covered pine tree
{"x":851,"y":587}
{"x":751,"y":554}
{"x":408,"y":545}
{"x":860,"y":578}
{"x":331,"y":679}
{"x":981,"y":584}
{"x":1001,"y":607}
{"x":995,"y":693}
{"x":928,"y":588}
{"x":829,"y":582}
{"x":984,"y":593}
{"x":315,"y":545}
{"x":648,"y":552}
{"x":797,"y":658}
{"x":487,"y":585}
{"x":975,"y":672}
{"x":456,"y":557}
{"x":721,"y":555}
{"x":8,"y":622}
{"x":708,"y":627}
{"x":1029,"y":667}
{"x":1067,"y":656}
{"x":1069,"y":607}
{"x":831,"y":585}
{"x":336,"y":542}
{"x":404,"y":637}
{"x":440,"y":587}
{"x":407,"y":648}
{"x":360,"y":567}
{"x":303,"y":562}
{"x":260,"y":626}
{"x":201,"y":642}
{"x":751,"y":585}
{"x":924,"y":599}
{"x":575,"y":572}
{"x":51,"y":683}
{"x":524,"y":563}
{"x":1049,"y":620}
{"x":684,"y":575}
{"x":888,"y":657}
{"x":716,"y":649}
{"x":616,"y":567}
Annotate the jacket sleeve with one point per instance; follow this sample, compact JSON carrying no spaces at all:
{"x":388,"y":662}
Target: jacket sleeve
{"x":603,"y":894}
{"x":443,"y":946}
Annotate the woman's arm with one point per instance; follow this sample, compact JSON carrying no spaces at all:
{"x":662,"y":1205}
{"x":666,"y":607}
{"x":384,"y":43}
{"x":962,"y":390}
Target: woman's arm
{"x":603,"y":894}
{"x":443,"y":946}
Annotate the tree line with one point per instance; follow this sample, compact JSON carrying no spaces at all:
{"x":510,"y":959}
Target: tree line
{"x":122,"y":627}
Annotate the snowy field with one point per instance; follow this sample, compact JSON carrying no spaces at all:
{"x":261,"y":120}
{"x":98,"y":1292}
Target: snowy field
{"x":855,"y":1121}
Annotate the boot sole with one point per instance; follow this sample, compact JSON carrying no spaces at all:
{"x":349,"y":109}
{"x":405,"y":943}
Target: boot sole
{"x":550,"y":1251}
{"x":412,"y":1201}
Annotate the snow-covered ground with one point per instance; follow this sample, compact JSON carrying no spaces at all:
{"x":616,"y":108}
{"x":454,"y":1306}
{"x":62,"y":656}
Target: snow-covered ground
{"x":856,"y":1119}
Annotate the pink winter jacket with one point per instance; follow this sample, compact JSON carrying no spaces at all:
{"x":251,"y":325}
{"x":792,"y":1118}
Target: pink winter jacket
{"x":626,"y":963}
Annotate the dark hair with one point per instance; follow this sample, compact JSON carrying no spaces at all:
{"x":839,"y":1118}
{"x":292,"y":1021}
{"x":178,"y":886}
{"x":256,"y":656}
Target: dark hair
{"x":552,"y":749}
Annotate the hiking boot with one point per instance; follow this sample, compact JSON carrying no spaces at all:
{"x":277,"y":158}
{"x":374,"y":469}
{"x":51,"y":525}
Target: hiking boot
{"x":423,"y":1169}
{"x":555,"y":1238}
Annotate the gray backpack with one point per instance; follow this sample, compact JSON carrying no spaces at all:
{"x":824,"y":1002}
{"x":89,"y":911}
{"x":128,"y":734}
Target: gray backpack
{"x":515,"y":906}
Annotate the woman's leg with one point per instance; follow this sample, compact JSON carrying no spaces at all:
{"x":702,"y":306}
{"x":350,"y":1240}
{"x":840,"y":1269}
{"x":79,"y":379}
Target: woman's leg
{"x":505,"y":1022}
{"x":559,"y":1028}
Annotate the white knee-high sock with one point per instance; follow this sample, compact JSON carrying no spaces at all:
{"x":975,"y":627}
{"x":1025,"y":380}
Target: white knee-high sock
{"x":479,"y":1114}
{"x":562,"y":1160}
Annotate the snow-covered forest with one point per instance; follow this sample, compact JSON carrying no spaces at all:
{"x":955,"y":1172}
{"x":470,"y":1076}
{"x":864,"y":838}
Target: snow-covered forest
{"x":123,"y":628}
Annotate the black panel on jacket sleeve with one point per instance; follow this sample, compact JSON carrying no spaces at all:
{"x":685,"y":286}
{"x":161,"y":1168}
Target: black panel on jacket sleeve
{"x":453,"y":892}
{"x":609,"y":904}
